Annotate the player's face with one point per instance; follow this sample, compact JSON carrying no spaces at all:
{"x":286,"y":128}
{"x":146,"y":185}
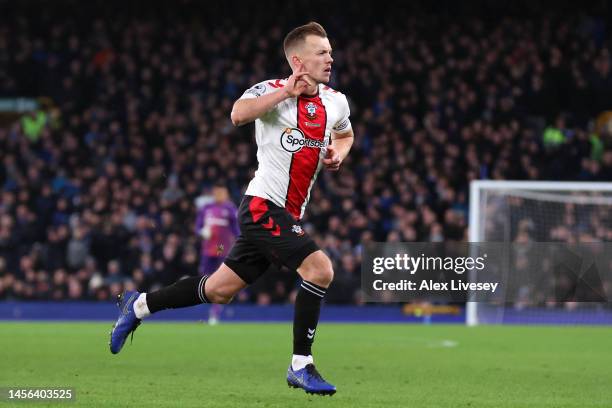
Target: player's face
{"x":316,"y":57}
{"x":220,"y":194}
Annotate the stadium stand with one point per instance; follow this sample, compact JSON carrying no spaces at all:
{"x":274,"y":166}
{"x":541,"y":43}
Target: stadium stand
{"x":98,"y":185}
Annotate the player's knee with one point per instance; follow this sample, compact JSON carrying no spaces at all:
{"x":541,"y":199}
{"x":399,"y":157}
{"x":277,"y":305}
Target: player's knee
{"x":318,"y":270}
{"x":325,"y":276}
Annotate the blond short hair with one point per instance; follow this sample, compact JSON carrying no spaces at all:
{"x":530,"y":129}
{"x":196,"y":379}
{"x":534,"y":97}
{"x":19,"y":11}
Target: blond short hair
{"x":298,"y":35}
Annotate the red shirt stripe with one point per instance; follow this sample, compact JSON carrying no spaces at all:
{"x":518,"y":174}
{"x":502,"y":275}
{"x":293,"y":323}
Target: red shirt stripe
{"x":304,"y":162}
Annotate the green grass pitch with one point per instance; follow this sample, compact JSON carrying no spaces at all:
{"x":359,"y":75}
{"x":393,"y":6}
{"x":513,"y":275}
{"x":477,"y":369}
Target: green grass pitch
{"x":243,"y":365}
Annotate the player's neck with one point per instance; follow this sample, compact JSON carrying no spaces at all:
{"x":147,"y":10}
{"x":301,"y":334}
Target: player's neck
{"x":311,"y":91}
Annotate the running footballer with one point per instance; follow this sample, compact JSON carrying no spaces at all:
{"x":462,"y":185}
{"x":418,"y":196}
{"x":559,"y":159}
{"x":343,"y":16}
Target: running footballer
{"x":301,"y":126}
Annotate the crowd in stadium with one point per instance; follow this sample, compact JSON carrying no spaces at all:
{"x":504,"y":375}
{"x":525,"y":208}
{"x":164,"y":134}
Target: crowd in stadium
{"x":98,"y":189}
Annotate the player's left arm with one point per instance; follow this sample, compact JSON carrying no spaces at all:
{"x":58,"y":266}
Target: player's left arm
{"x":338,"y":150}
{"x":342,"y":137}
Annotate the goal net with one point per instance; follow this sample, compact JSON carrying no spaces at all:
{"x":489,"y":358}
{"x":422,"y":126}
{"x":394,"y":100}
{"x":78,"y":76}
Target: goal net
{"x":523,"y":212}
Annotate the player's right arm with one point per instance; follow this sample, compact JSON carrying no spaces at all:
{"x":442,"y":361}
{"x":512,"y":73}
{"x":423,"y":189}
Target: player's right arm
{"x":259,"y":100}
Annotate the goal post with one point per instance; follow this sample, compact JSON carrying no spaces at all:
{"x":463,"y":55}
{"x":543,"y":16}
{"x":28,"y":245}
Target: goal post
{"x":499,"y":210}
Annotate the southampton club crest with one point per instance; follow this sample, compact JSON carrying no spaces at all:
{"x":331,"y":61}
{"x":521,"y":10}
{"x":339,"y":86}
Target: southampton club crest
{"x":311,"y":110}
{"x":298,"y":230}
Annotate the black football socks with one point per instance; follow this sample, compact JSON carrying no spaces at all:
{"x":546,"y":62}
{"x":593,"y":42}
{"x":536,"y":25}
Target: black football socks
{"x":183,"y":293}
{"x":190,"y":292}
{"x":307,"y":310}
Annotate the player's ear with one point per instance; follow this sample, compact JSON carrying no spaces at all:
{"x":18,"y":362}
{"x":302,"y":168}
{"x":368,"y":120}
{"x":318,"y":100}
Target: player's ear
{"x":296,"y":62}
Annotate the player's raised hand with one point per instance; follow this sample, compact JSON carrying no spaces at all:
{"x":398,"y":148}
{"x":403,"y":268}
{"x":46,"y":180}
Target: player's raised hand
{"x":298,"y":82}
{"x":332,"y":159}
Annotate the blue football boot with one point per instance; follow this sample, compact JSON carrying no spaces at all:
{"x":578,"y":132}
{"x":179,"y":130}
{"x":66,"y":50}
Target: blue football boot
{"x":309,"y":379}
{"x":127,"y":321}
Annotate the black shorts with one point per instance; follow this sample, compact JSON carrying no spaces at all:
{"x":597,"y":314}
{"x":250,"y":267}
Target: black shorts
{"x":268,"y":234}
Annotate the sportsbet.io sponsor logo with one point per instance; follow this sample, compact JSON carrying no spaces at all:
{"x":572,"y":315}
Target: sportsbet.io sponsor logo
{"x":293,"y":140}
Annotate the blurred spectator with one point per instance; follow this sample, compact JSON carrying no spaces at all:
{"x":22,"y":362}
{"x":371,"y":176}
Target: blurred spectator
{"x":99,"y":193}
{"x":32,"y":124}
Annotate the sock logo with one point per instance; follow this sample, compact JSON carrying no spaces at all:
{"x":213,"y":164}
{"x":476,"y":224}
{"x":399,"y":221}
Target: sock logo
{"x":311,"y":333}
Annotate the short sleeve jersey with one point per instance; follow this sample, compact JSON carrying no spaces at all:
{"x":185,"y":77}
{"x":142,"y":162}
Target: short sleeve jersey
{"x":292,"y":141}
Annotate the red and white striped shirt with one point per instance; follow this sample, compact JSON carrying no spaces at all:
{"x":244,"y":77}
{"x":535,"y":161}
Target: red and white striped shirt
{"x":292,"y":141}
